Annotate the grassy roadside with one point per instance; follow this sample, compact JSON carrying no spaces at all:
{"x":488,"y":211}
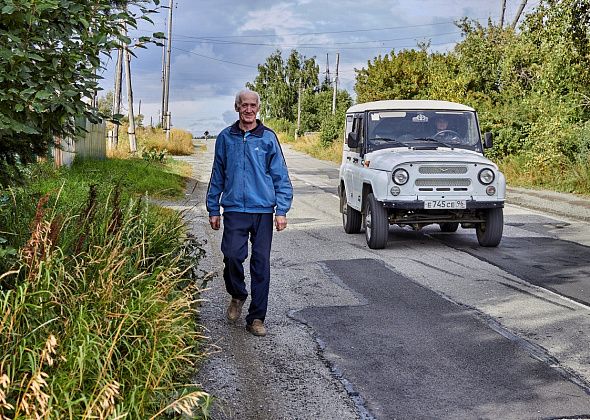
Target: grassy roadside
{"x":152,"y":143}
{"x":574,"y":178}
{"x":312,"y":146}
{"x":97,"y":294}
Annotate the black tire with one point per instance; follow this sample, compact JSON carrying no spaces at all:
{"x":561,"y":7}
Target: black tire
{"x":376,"y":223}
{"x":449,"y":227}
{"x":490,"y":232}
{"x":351,"y":218}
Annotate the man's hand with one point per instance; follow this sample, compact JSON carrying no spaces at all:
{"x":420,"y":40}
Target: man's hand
{"x":215,"y":222}
{"x":280,"y":223}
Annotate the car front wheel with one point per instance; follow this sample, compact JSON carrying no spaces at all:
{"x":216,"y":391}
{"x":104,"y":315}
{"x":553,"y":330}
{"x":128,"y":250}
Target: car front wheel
{"x":489,"y":233}
{"x":376,"y":223}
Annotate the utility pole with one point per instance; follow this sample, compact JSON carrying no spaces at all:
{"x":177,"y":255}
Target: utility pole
{"x":167,"y":74}
{"x":298,"y":109}
{"x":327,"y":69}
{"x":117,"y":96}
{"x":162,"y":112}
{"x":518,"y":13}
{"x":131,"y":129}
{"x":503,"y":13}
{"x":335,"y":85}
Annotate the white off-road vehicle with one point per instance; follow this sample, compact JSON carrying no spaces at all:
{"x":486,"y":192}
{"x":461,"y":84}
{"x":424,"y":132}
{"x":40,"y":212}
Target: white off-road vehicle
{"x":415,"y":163}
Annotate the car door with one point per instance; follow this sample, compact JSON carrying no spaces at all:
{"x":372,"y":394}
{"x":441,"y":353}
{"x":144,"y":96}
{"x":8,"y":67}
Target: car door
{"x":356,"y":162}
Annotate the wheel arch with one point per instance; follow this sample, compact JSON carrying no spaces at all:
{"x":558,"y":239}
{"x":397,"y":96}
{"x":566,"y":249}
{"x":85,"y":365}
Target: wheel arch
{"x":367,"y":189}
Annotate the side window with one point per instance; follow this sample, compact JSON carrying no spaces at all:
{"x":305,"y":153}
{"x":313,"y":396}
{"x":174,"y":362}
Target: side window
{"x":348,"y":129}
{"x":358,"y":128}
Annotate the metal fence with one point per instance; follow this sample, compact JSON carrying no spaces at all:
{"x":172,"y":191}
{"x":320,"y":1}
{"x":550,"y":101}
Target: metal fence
{"x":89,"y":145}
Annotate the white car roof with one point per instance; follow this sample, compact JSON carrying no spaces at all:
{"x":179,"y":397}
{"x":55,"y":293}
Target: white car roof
{"x":408,"y":105}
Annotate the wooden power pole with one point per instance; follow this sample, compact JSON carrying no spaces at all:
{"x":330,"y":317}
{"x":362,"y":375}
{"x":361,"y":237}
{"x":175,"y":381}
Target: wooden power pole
{"x":502,"y":13}
{"x":335,"y":85}
{"x":131,"y":129}
{"x":518,"y":13}
{"x":163,"y":79}
{"x":117,"y":96}
{"x":298,"y":109}
{"x":167,"y":73}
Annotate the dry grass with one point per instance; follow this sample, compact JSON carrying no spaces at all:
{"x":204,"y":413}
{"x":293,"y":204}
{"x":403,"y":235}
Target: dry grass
{"x":312,"y":146}
{"x":180,"y":143}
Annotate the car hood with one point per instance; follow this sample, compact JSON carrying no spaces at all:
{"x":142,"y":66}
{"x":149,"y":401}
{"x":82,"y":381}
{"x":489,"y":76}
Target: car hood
{"x":387,"y":159}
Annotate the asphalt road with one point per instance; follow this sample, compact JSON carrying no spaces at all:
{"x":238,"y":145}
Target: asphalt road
{"x":430,"y":327}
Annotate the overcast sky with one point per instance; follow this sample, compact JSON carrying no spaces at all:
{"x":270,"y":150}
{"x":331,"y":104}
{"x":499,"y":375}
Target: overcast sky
{"x":217,"y":45}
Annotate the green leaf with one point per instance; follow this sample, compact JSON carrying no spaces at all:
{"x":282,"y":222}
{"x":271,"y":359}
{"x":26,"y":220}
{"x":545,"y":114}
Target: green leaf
{"x":8,"y":10}
{"x":42,"y":95}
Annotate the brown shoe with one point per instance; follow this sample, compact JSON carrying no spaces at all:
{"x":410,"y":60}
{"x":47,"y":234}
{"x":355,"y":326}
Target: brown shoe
{"x":256,"y":328}
{"x":234,"y":309}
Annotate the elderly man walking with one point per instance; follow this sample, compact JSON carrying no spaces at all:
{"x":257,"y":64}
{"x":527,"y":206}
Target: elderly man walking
{"x":249,"y":179}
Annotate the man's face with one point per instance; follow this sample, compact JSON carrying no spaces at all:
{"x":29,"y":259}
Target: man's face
{"x":441,"y":124}
{"x":248,"y":108}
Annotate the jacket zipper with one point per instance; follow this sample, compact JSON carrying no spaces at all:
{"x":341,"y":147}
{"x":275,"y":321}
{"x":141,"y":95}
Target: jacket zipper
{"x":244,"y":173}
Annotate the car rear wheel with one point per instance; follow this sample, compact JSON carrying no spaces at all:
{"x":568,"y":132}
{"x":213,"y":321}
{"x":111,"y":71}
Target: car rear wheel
{"x":449,"y":227}
{"x":489,"y":233}
{"x":376,"y":223}
{"x":351,"y":218}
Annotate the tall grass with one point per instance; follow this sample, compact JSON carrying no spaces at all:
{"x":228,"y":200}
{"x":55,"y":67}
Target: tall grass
{"x":573,"y":177}
{"x":149,"y":138}
{"x":313,"y":146}
{"x":98,"y":307}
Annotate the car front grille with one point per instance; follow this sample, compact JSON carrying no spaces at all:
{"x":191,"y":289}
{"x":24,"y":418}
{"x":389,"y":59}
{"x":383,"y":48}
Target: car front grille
{"x":442,"y":170}
{"x":442,"y":182}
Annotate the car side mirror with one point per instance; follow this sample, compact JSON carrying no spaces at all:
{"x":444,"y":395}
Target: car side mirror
{"x":488,"y":140}
{"x":352,"y":140}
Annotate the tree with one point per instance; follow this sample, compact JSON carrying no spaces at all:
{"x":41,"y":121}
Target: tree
{"x":49,"y":70}
{"x":394,"y":76}
{"x":105,"y":104}
{"x":277,"y":83}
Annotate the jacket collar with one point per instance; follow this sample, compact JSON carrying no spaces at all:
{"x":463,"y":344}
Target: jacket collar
{"x":258,"y":131}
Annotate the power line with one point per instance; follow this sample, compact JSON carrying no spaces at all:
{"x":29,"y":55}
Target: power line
{"x":322,"y":44}
{"x":216,"y":59}
{"x":330,"y":32}
{"x":213,"y":37}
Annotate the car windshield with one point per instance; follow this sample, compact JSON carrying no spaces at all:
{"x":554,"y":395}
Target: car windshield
{"x":423,"y":130}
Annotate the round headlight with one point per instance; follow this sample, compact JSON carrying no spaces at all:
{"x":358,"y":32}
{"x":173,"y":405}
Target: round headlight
{"x":400,"y":176}
{"x":395,"y":190}
{"x":486,"y":176}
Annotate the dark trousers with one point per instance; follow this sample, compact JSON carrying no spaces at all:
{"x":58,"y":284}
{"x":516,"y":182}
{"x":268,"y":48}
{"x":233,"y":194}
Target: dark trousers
{"x":237,"y":229}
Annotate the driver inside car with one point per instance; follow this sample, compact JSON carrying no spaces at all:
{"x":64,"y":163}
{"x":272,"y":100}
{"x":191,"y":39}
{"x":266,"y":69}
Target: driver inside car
{"x":443,"y":132}
{"x":441,"y":124}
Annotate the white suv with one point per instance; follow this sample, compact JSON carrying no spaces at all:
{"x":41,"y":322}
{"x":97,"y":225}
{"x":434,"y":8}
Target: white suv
{"x":415,"y":163}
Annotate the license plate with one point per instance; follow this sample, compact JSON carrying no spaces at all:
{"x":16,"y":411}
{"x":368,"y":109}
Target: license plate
{"x":445,"y":204}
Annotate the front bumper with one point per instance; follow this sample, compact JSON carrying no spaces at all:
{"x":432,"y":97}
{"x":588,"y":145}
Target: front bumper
{"x":419,"y":205}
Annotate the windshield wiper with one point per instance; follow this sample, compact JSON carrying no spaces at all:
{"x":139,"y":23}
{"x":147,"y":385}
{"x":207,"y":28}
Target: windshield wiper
{"x":387,"y":139}
{"x":430,"y":139}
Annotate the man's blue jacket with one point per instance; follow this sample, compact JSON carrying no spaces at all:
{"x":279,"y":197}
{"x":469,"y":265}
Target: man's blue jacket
{"x":249,"y":173}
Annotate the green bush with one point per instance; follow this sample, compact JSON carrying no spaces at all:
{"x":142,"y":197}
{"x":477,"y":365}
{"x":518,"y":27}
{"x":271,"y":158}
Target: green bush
{"x":331,"y":129}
